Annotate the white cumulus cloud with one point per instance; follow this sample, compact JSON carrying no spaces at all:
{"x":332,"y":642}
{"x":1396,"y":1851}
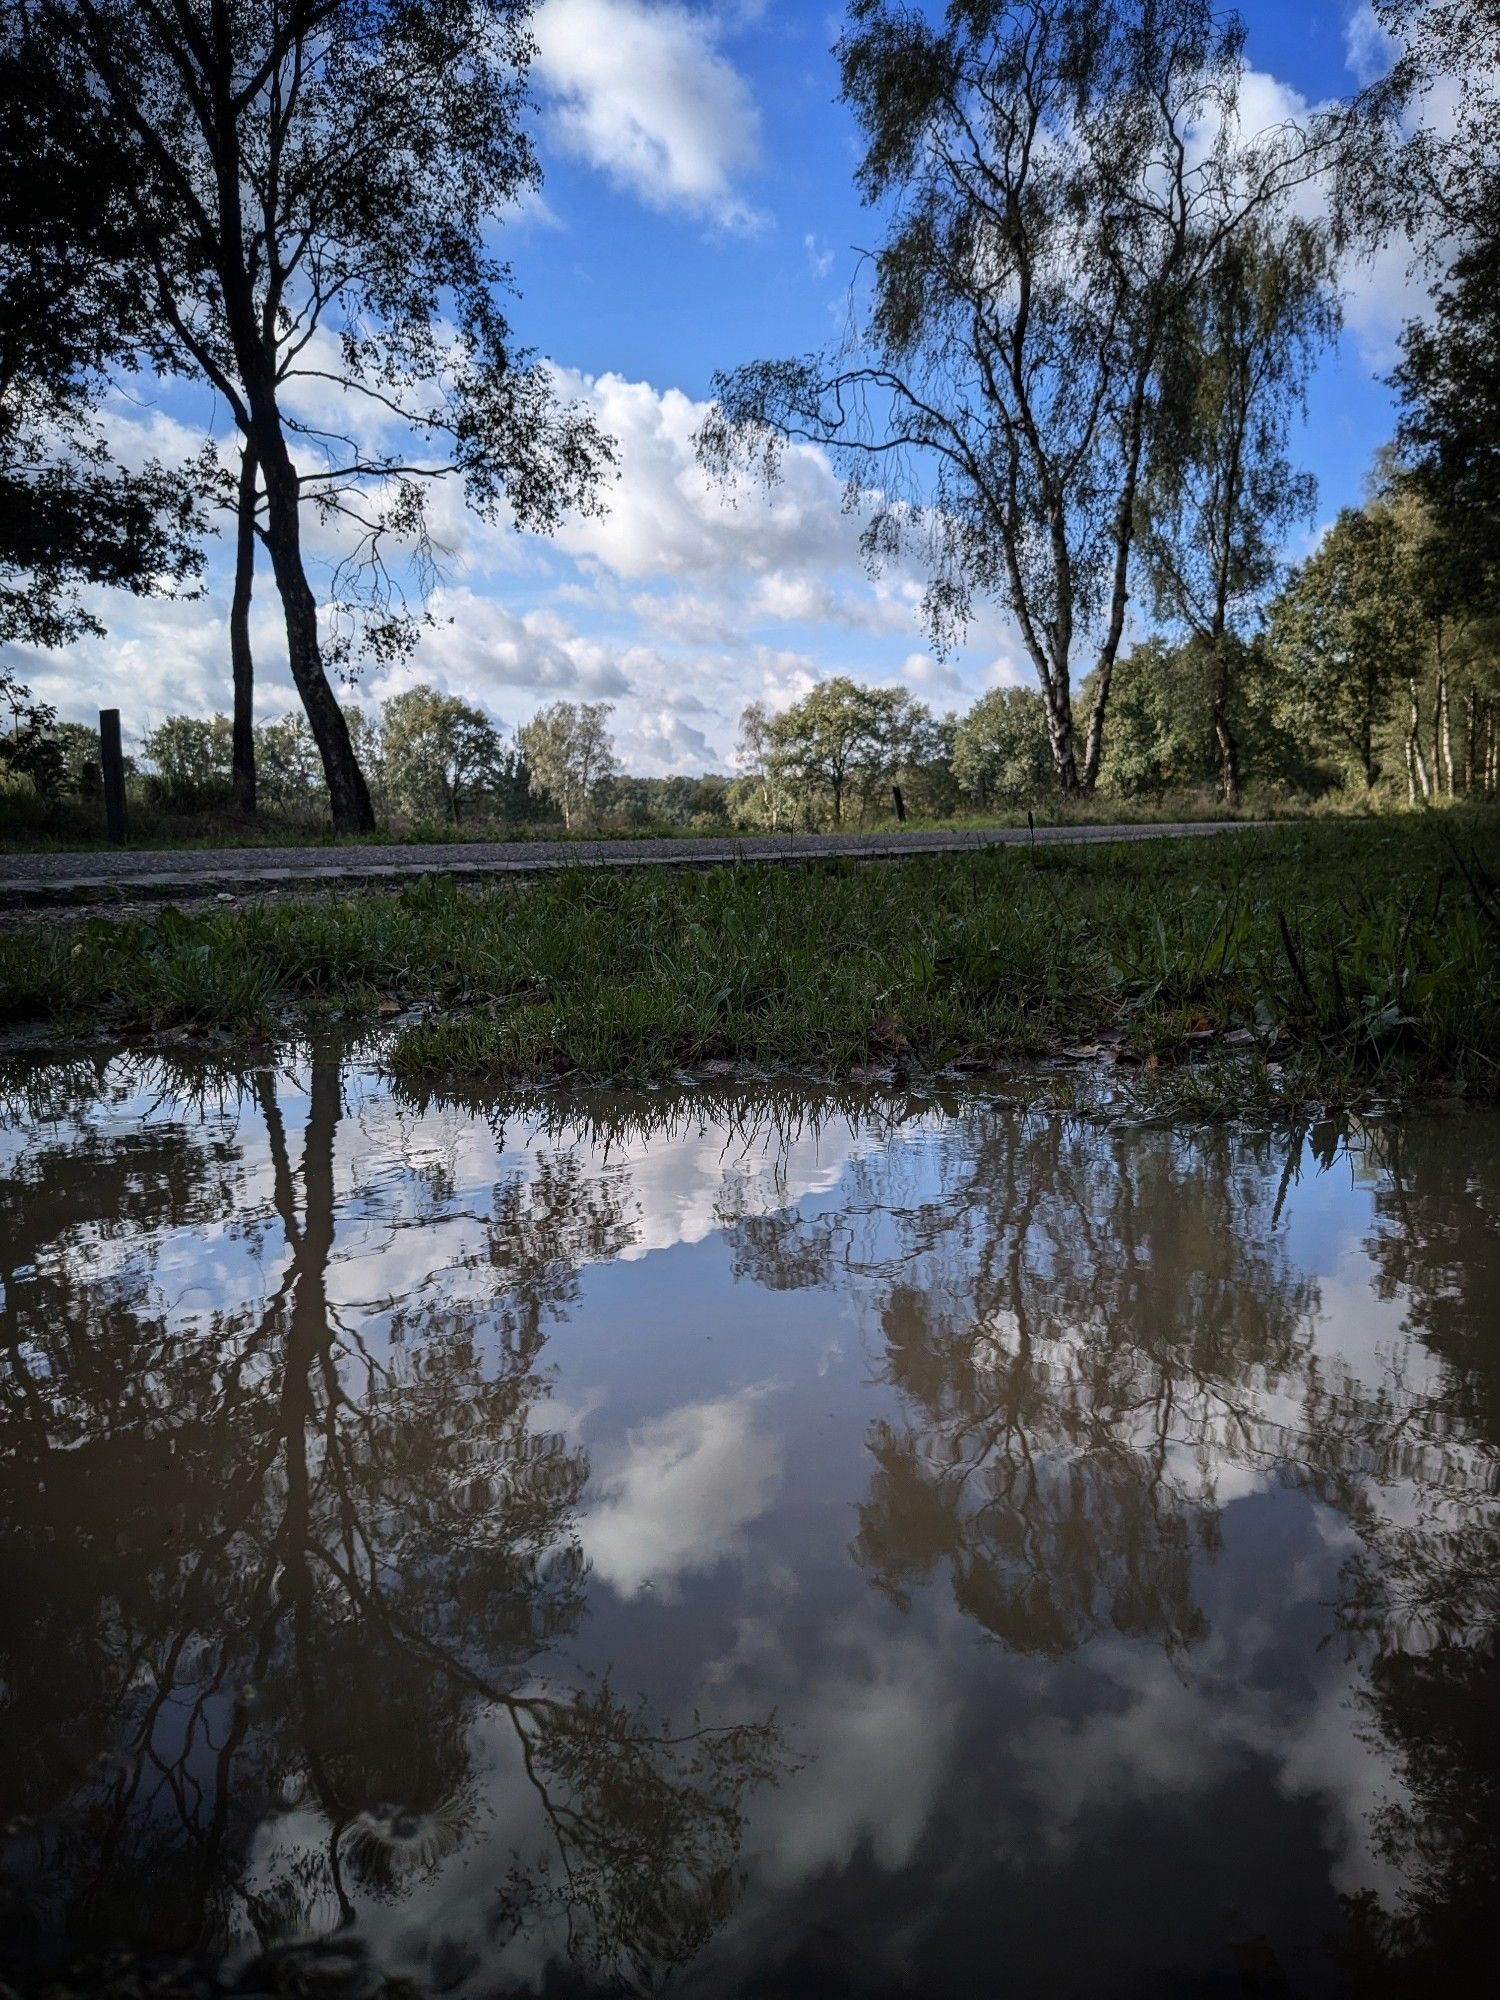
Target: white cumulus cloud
{"x":644,"y":93}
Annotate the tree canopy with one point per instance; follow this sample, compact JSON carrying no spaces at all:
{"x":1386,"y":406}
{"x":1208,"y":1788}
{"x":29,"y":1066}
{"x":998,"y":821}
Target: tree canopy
{"x":70,"y":314}
{"x":1051,"y":209}
{"x":315,"y":182}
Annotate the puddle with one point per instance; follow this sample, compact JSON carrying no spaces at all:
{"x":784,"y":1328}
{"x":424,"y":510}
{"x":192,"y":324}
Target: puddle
{"x":787,"y":1542}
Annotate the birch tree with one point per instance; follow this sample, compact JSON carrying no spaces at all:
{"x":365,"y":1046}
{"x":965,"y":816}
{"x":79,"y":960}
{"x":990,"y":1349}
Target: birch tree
{"x":1221,"y":492}
{"x":1054,"y":180}
{"x":569,"y":752}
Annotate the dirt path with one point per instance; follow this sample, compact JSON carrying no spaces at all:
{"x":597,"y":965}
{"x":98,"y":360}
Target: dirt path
{"x":139,"y":874}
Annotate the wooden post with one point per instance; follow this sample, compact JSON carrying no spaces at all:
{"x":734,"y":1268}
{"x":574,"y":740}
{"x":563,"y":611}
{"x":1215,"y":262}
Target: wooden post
{"x":900,"y":804}
{"x":113,"y":761}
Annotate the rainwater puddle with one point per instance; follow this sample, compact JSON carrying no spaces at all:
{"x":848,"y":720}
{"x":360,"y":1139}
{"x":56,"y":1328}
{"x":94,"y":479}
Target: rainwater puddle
{"x":797,"y":1542}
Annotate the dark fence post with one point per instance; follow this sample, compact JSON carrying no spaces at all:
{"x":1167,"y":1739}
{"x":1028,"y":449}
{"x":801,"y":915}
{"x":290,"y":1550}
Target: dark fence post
{"x":900,"y":804}
{"x":113,"y":761}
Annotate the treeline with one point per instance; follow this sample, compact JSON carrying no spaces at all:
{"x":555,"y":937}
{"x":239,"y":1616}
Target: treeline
{"x":1067,"y":390}
{"x":432,"y":760}
{"x":1374,"y":673}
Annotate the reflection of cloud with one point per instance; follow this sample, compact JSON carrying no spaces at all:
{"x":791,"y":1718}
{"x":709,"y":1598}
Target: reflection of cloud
{"x":1166,"y":1737}
{"x":680,"y":1188}
{"x":687,"y":1486}
{"x":883,"y":1730}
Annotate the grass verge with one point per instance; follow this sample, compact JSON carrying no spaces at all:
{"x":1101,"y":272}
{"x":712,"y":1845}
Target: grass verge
{"x":1334,"y":958}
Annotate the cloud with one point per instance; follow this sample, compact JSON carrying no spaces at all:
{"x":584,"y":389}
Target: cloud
{"x":685,"y":616}
{"x":680,"y":603}
{"x":678,"y":1501}
{"x":643,"y":93}
{"x":802,"y":599}
{"x":665,"y":518}
{"x":1368,"y":49}
{"x":658,"y":740}
{"x":1381,"y":289}
{"x":483,"y":651}
{"x":820,"y":261}
{"x":932,"y":679}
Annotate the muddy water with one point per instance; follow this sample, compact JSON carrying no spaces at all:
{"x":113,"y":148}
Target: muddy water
{"x":798,"y":1544}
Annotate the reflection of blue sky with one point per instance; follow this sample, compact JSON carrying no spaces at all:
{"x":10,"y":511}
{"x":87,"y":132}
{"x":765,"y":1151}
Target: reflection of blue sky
{"x":945,"y":1785}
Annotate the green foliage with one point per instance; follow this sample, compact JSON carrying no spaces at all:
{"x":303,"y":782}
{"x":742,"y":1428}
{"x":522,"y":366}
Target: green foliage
{"x":288,"y":770}
{"x":842,"y":746}
{"x":1161,"y":732}
{"x":189,"y":756}
{"x":1364,"y":950}
{"x":1162,"y":722}
{"x":570,"y":756}
{"x":1001,"y":755}
{"x":1449,"y":436}
{"x":1384,"y":648}
{"x":1345,"y":633}
{"x":441,"y":757}
{"x":29,"y":749}
{"x":683,"y":803}
{"x":78,"y":747}
{"x":1221,"y":493}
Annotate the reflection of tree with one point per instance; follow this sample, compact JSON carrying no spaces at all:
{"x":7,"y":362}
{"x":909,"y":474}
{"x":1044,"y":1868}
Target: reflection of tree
{"x":1080,"y":1326}
{"x":1422,"y":1596}
{"x":244,"y":1691}
{"x":1437,"y":1202}
{"x":338,"y":1541}
{"x":1084,"y":1329}
{"x":1438,"y":1712}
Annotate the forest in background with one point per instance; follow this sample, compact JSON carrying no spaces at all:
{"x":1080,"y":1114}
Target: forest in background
{"x":1068,"y":390}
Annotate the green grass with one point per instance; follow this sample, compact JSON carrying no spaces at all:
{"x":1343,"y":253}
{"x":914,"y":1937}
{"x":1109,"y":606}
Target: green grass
{"x":1362,"y":956}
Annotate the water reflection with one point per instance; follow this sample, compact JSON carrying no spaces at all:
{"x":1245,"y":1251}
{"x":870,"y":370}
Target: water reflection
{"x":378,"y":1476}
{"x":267,"y":1569}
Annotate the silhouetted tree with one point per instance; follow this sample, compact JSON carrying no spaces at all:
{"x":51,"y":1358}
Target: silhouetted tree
{"x":71,"y":313}
{"x":315,"y":178}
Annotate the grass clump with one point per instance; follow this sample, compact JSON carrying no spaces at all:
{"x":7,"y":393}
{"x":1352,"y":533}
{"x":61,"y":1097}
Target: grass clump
{"x":1361,"y":950}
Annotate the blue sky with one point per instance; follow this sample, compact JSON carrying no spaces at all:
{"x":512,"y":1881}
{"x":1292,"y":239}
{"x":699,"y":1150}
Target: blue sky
{"x":698,"y":211}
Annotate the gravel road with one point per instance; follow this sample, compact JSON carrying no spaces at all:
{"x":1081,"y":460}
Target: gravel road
{"x":145,"y":874}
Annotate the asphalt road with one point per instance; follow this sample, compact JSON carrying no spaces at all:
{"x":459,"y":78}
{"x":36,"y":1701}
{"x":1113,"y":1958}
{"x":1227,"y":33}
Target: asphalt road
{"x":144,"y":874}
